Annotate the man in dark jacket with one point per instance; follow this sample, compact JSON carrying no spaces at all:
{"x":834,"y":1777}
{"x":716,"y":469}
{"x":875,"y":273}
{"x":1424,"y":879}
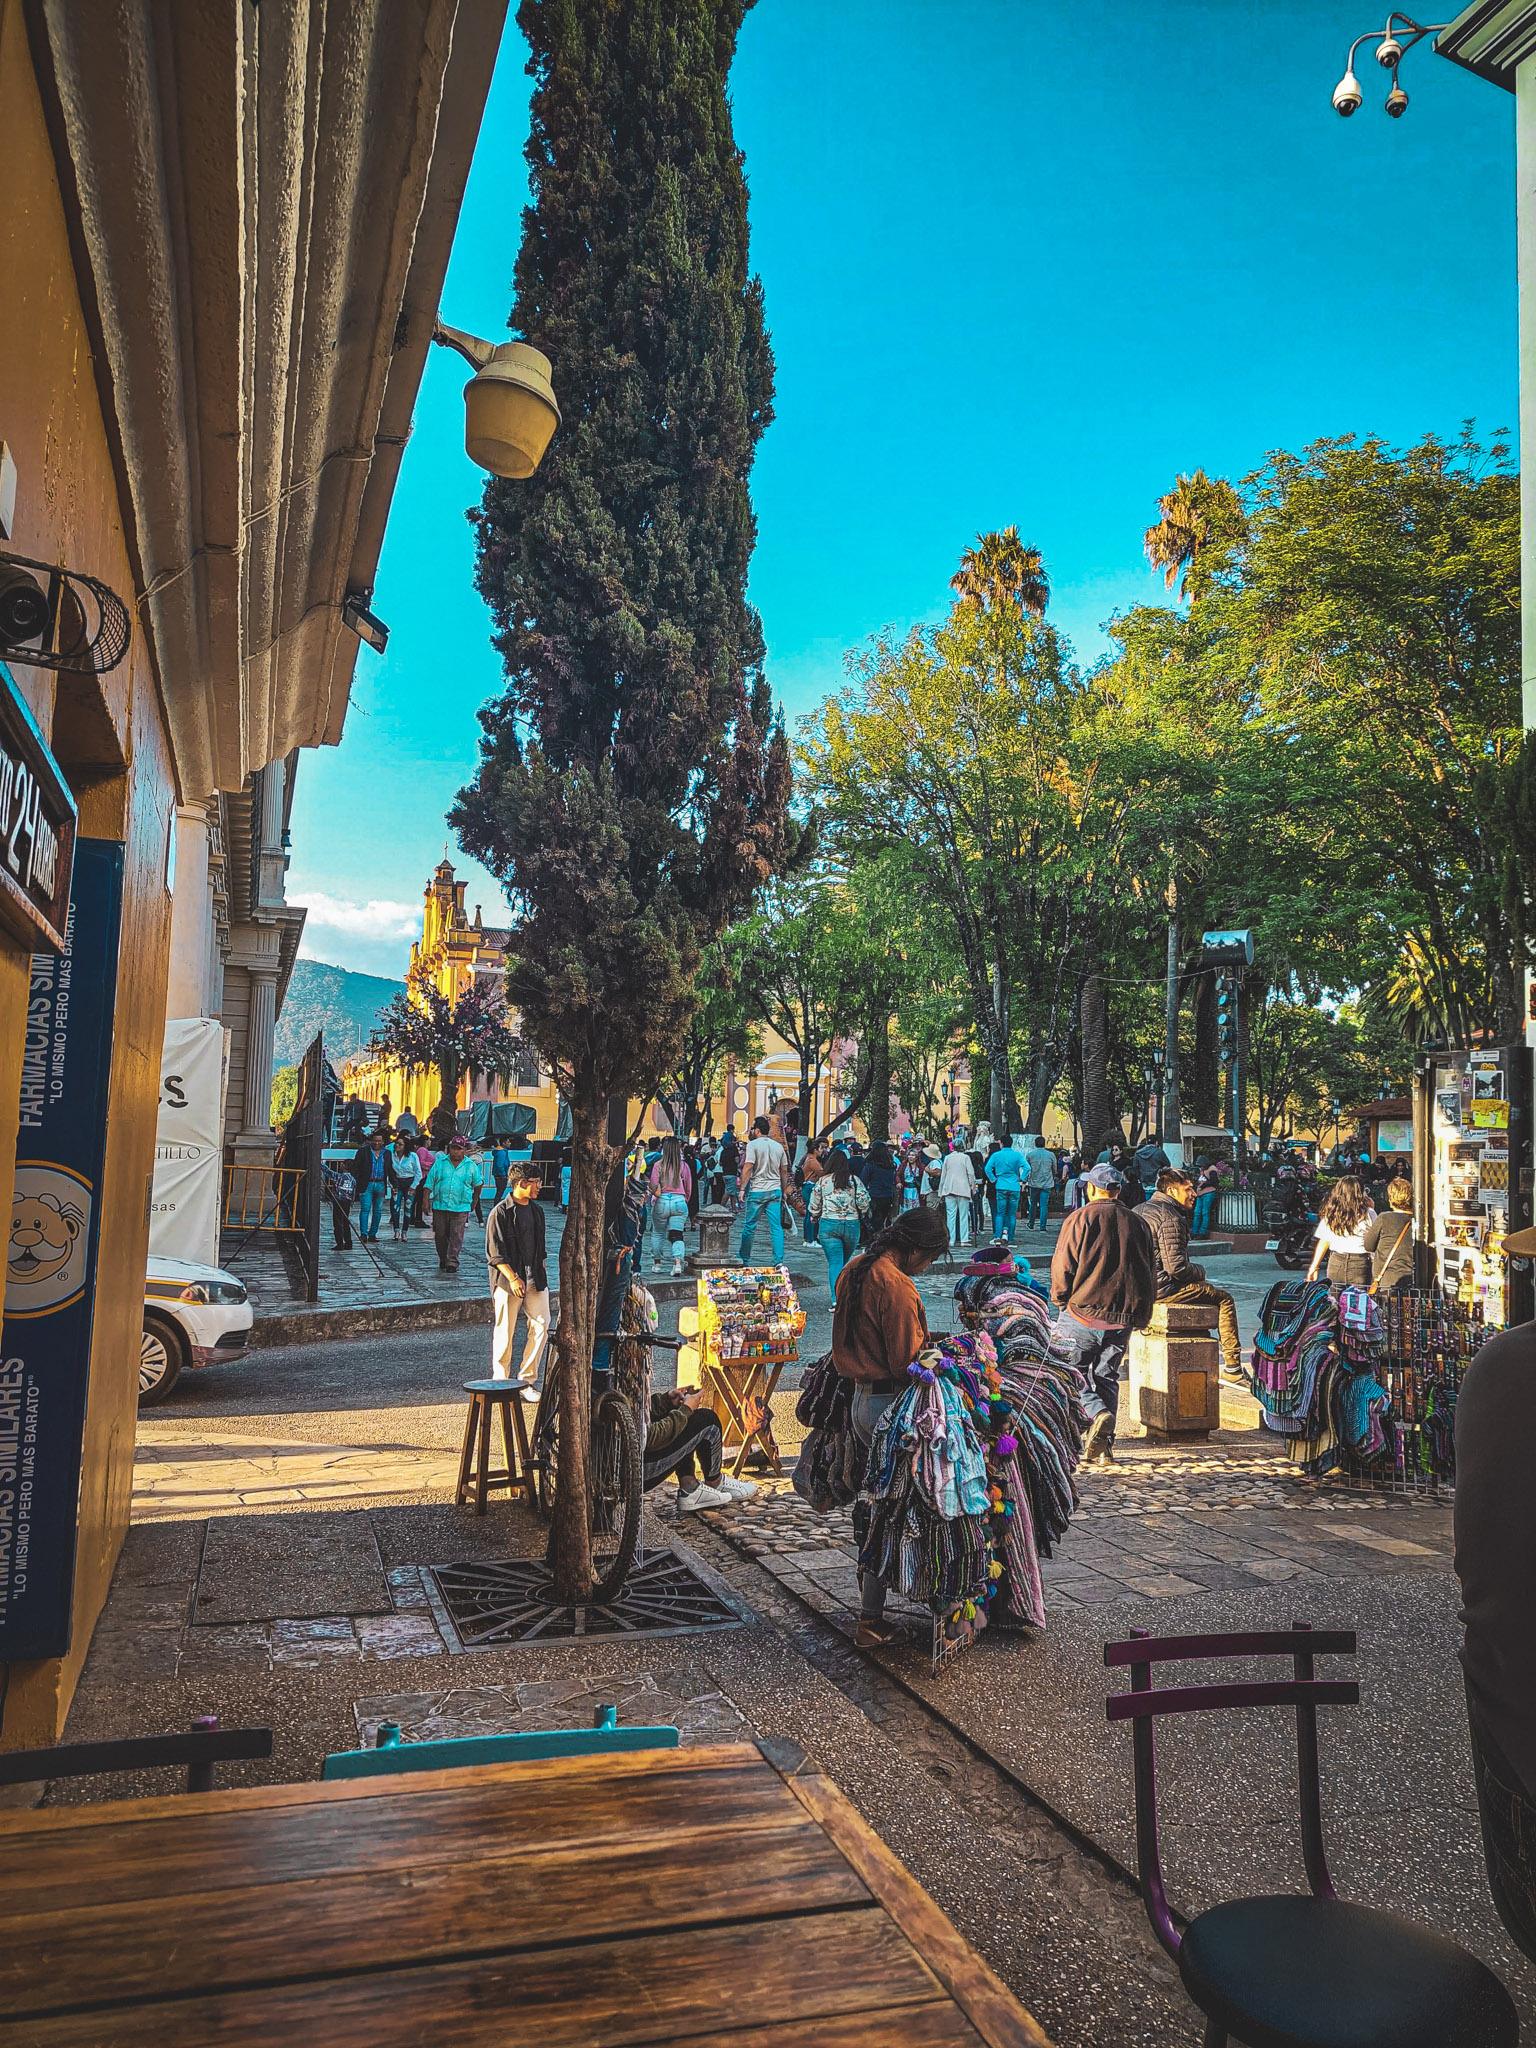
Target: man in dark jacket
{"x":514,"y":1252}
{"x":1103,"y":1279}
{"x":1168,"y":1216}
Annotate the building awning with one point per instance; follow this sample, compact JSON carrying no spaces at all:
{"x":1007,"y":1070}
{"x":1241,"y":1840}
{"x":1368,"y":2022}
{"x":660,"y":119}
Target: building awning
{"x":1491,"y":38}
{"x":264,"y":199}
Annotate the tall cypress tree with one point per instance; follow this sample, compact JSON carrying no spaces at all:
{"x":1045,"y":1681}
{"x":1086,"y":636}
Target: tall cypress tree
{"x":633,"y":780}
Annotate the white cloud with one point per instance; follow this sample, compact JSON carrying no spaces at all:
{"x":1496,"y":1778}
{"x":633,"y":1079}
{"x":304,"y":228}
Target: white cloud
{"x":372,"y":920}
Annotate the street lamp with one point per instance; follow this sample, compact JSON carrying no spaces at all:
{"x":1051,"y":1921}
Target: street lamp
{"x":1393,"y":43}
{"x":1153,"y":1072}
{"x":510,"y":413}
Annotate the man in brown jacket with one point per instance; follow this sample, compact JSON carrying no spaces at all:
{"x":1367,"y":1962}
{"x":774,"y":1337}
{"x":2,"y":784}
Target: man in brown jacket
{"x":1104,"y":1281}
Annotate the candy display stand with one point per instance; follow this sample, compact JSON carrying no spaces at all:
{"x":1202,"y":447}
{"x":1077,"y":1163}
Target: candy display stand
{"x":747,"y":1328}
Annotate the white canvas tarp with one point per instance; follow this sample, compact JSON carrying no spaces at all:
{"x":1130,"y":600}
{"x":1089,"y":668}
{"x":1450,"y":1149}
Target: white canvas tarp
{"x":184,"y":1211}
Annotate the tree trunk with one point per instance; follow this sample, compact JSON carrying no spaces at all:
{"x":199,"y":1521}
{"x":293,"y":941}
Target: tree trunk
{"x":1206,"y":1091}
{"x":581,"y":1272}
{"x":1006,"y":1119}
{"x":878,"y":1116}
{"x":1099,"y":1123}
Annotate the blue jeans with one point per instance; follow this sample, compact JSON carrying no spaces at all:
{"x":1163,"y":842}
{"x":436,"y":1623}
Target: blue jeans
{"x":1200,"y":1223}
{"x":839,"y":1239}
{"x":758,"y":1200}
{"x":370,"y":1209}
{"x":400,"y":1210}
{"x":1097,"y":1355}
{"x":1040,"y":1206}
{"x":1005,"y":1211}
{"x":669,"y":1212}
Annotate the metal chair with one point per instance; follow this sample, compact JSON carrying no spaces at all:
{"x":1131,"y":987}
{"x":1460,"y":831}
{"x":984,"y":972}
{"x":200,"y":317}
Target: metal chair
{"x":391,"y":1756}
{"x":1297,"y":1971}
{"x":201,"y":1750}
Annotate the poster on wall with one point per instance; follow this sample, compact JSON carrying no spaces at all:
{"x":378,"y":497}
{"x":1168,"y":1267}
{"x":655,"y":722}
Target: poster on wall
{"x":184,"y":1208}
{"x":50,"y":1287}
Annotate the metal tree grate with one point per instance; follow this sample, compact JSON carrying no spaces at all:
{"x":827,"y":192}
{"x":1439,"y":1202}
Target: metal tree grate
{"x":511,"y":1601}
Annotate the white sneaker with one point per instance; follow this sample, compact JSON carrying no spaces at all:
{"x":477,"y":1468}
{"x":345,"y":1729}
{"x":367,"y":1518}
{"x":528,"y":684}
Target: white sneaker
{"x":701,"y":1497}
{"x":530,"y":1394}
{"x":736,"y":1489}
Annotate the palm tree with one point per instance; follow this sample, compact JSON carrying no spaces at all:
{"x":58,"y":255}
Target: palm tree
{"x":1198,"y":513}
{"x":1000,"y":570}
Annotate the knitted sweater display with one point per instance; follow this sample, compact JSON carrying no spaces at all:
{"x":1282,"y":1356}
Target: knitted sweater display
{"x":970,"y":1476}
{"x":1315,"y":1365}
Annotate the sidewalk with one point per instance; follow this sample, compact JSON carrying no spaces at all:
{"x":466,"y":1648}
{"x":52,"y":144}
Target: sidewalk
{"x":369,"y":1290}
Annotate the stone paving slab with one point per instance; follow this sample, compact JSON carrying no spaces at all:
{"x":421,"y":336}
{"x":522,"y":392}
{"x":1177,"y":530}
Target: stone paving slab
{"x":296,"y":1566}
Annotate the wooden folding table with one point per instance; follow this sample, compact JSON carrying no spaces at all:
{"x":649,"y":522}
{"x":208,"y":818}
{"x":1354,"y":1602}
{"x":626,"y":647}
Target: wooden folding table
{"x":672,"y":1895}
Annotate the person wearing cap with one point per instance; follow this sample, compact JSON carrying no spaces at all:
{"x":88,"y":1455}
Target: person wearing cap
{"x":452,"y":1184}
{"x":514,"y":1252}
{"x":1495,"y":1535}
{"x":1104,"y":1281}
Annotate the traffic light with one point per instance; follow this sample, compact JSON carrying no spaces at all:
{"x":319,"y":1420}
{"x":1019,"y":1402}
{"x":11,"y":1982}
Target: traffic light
{"x":1226,"y":1017}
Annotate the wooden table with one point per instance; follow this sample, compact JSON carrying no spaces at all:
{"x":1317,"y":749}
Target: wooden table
{"x":673,"y":1895}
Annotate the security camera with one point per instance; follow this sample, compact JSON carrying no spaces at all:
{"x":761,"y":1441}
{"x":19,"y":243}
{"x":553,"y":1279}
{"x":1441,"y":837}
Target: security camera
{"x":1397,"y":102}
{"x":23,"y":606}
{"x":365,"y":624}
{"x":1347,"y":94}
{"x":1389,"y":52}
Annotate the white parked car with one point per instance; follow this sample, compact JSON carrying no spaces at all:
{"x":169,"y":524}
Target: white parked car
{"x":193,"y":1315}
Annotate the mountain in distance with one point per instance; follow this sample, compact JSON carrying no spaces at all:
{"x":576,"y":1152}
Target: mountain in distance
{"x":335,"y":1000}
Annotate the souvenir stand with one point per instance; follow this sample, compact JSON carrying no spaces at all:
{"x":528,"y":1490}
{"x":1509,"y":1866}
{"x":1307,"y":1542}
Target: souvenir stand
{"x":1366,"y":1387}
{"x":749,"y":1327}
{"x":970,"y":1475}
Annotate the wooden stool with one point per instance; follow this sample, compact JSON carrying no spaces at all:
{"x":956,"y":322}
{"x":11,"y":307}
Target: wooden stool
{"x":517,"y":1475}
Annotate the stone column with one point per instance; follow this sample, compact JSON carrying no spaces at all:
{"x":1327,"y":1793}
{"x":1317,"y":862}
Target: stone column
{"x":256,"y":1134}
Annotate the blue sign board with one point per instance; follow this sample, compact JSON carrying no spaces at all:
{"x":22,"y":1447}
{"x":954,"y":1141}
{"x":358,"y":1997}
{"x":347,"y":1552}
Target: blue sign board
{"x":50,"y":1286}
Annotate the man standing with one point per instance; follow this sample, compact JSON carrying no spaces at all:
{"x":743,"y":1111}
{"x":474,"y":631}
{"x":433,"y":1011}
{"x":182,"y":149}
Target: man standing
{"x":765,"y":1185}
{"x":1168,"y":1216}
{"x":957,"y":1187}
{"x":514,"y":1252}
{"x":1041,"y":1167}
{"x":1104,"y":1281}
{"x":370,"y":1169}
{"x":452,"y":1184}
{"x":1005,"y":1170}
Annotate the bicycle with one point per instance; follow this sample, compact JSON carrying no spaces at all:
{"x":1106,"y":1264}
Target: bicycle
{"x":615,"y":1465}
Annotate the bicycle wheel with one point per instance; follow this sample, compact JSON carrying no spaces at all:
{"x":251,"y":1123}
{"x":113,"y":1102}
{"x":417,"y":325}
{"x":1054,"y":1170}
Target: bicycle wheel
{"x":615,"y":1480}
{"x":545,"y":1446}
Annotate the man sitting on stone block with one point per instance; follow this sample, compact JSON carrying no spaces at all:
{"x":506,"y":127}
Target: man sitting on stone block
{"x":1167,"y":1215}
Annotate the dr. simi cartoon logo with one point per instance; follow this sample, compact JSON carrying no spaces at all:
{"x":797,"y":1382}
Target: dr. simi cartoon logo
{"x":45,"y":1252}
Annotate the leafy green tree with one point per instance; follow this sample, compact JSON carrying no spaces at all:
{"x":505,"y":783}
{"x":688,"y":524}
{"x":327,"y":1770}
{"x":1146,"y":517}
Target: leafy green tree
{"x":285,"y":1095}
{"x":426,"y":1032}
{"x":633,"y":780}
{"x":1000,"y":571}
{"x":724,"y":1026}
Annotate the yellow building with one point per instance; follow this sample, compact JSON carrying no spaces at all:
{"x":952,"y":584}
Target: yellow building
{"x":457,"y":947}
{"x":222,"y":243}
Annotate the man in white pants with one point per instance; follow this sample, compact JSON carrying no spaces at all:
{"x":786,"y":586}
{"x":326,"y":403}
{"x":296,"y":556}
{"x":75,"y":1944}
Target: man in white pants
{"x":514,"y":1251}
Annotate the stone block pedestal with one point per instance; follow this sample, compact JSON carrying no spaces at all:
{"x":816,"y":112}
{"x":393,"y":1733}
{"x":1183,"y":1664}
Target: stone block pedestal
{"x":1176,"y":1373}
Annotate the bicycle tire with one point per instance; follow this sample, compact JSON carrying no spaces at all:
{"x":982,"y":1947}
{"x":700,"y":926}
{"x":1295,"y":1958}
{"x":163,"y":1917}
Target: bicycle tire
{"x":615,"y":1482}
{"x":545,"y":1444}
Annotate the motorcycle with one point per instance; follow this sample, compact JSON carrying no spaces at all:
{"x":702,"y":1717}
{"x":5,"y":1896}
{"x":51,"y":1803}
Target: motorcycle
{"x":1294,"y":1222}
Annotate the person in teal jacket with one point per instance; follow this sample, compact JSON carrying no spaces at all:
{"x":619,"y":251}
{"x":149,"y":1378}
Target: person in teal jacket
{"x":1005,"y":1170}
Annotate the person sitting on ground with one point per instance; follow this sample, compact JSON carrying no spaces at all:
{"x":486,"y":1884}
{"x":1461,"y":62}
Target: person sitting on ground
{"x":1104,"y":1281}
{"x":1167,"y":1216}
{"x":878,"y":1328}
{"x":685,"y":1437}
{"x":1341,"y":1236}
{"x":1389,"y":1240}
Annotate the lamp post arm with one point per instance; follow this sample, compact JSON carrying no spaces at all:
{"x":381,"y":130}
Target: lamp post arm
{"x":476,"y":353}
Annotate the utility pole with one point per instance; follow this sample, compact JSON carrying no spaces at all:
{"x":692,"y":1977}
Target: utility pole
{"x":1172,"y":1132}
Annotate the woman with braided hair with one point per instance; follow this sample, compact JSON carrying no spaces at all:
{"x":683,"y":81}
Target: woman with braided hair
{"x":878,"y":1328}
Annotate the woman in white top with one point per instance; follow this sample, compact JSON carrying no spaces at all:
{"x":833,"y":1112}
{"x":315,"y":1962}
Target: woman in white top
{"x":840,"y":1203}
{"x":1341,"y":1236}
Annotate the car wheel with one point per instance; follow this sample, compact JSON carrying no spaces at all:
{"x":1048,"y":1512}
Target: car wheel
{"x":162,"y":1354}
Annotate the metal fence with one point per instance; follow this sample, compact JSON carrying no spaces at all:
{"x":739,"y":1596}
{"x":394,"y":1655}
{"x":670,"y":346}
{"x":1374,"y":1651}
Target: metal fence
{"x":1431,"y":1340}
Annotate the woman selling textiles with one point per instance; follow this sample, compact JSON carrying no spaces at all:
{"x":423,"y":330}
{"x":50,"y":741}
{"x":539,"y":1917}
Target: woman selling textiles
{"x":878,"y":1328}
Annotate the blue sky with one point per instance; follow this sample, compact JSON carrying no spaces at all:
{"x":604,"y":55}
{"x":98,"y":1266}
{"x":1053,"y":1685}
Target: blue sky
{"x":1024,"y":260}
